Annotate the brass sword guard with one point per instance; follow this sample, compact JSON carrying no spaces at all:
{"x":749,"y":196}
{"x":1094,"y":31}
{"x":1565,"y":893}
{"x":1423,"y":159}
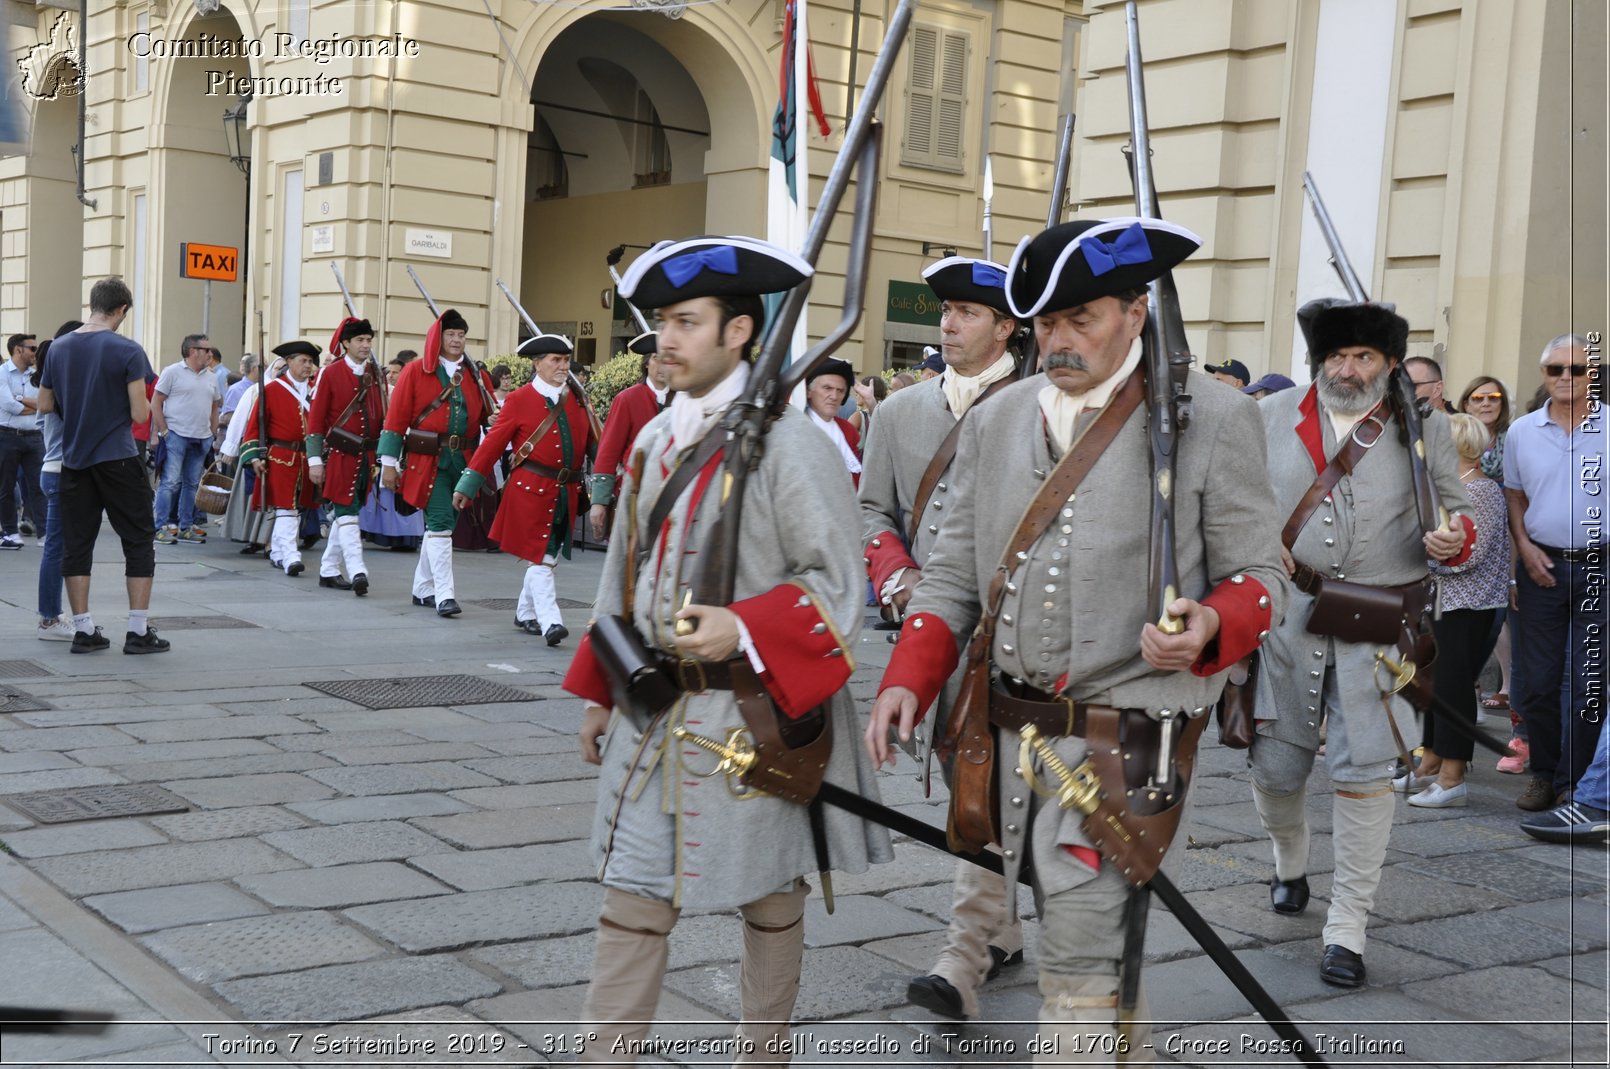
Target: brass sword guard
{"x":1402,"y":672}
{"x":1078,"y":788}
{"x":735,"y":757}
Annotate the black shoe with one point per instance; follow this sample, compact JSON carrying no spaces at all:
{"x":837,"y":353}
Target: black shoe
{"x":88,"y":642}
{"x":146,"y":643}
{"x":426,"y":602}
{"x":1341,"y":967}
{"x":888,"y":625}
{"x":294,"y":569}
{"x":1000,"y":959}
{"x":1289,"y":896}
{"x":335,"y":582}
{"x":448,"y":608}
{"x":308,"y":543}
{"x":528,"y":626}
{"x":255,"y":547}
{"x":360,"y":584}
{"x":936,"y":995}
{"x":556,"y":634}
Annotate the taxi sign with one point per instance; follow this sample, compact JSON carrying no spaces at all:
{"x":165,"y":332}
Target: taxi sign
{"x":215,"y":263}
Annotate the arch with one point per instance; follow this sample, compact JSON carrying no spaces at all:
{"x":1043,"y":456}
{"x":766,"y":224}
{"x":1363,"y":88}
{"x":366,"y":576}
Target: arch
{"x":55,"y":218}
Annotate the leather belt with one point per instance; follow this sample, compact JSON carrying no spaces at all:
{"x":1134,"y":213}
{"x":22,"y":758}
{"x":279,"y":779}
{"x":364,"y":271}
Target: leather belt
{"x":1309,"y":581}
{"x":460,"y":442}
{"x":695,"y":676}
{"x":19,"y":430}
{"x":1572,"y":555}
{"x":283,"y":443}
{"x":562,"y":476}
{"x":1017,"y":705}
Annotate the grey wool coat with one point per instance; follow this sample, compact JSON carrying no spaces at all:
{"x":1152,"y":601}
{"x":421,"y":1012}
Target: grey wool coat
{"x":1076,"y":606}
{"x":1368,"y":533}
{"x":661,"y":830}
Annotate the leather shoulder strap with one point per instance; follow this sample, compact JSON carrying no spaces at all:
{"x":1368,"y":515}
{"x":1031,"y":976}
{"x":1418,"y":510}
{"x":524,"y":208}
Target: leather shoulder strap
{"x":447,"y":391}
{"x":357,"y":399}
{"x":1359,"y":441}
{"x":708,"y":447}
{"x":536,"y":436}
{"x":941,"y":463}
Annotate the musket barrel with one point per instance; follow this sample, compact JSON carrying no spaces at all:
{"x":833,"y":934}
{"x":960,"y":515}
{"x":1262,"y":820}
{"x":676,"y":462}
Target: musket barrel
{"x":1338,"y":255}
{"x":637,"y":313}
{"x":436,"y":313}
{"x":1140,"y":140}
{"x":346,"y":296}
{"x":1059,"y":178}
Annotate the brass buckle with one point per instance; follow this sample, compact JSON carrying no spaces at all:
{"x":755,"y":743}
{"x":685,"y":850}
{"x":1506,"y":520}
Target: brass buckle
{"x":454,"y":441}
{"x":682,"y":676}
{"x":1065,"y":699}
{"x":564,"y":475}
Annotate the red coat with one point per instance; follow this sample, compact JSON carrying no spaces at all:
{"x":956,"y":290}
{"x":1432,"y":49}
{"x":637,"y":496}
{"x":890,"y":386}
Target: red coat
{"x":416,"y":388}
{"x":336,"y":388}
{"x":286,"y":479}
{"x":524,"y":521}
{"x":632,"y":409}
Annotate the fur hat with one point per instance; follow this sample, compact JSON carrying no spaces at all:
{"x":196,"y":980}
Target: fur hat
{"x":1331,"y":323}
{"x":451,"y":320}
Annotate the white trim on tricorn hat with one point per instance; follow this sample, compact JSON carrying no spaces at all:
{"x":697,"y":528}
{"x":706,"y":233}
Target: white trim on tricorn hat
{"x":544,"y":345}
{"x":1168,"y":245}
{"x":645,"y":344}
{"x":956,"y":278}
{"x":756,"y":267}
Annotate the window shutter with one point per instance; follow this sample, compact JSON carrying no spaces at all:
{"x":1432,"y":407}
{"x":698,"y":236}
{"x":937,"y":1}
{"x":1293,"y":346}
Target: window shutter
{"x":921,"y":98}
{"x":936,"y":100}
{"x":952,"y":102}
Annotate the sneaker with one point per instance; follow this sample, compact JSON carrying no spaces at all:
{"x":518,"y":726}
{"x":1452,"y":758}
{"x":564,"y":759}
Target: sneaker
{"x":58,"y":630}
{"x":1575,"y":822}
{"x":1437,"y":796}
{"x":1521,"y":751}
{"x":11,"y":541}
{"x":1538,"y":796}
{"x":193,"y":535}
{"x":146,"y":643}
{"x":167,"y":534}
{"x":87,"y":642}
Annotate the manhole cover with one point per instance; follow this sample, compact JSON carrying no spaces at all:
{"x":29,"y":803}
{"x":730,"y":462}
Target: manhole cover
{"x":23,"y":670}
{"x":199,"y":623}
{"x":13,"y":700}
{"x":508,"y":604}
{"x":414,"y":691}
{"x":95,"y":803}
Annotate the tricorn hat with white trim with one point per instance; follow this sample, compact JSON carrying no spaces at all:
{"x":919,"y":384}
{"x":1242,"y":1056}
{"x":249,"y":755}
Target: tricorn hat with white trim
{"x":544,"y":344}
{"x":675,"y":271}
{"x":1077,"y":262}
{"x":962,"y":278}
{"x":645,"y":344}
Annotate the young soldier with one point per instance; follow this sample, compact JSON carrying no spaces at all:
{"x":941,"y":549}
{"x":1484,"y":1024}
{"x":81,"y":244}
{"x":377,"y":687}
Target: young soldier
{"x":435,"y":419}
{"x":667,"y":839}
{"x":1076,"y":652}
{"x":629,"y":413}
{"x":278,"y":453}
{"x":909,"y":454}
{"x":549,"y":429}
{"x":348,"y":411}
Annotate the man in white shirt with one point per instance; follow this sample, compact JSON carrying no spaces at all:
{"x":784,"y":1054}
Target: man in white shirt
{"x":185,"y":408}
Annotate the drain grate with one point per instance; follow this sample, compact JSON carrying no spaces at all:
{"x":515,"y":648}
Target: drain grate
{"x":508,"y":604}
{"x":13,"y":700}
{"x":23,"y":670}
{"x":410,"y":692}
{"x":96,"y":803}
{"x":199,"y":623}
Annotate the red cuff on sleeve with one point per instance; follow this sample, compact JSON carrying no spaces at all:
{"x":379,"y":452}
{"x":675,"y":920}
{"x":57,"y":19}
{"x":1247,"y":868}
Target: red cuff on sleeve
{"x":1470,"y":542}
{"x":807,"y":659}
{"x":885,"y":555}
{"x":924,"y":658}
{"x":1245,"y":616}
{"x":586,"y":678}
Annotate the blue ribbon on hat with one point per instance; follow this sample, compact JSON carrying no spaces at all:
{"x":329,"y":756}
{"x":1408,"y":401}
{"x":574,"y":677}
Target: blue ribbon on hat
{"x":1129,"y":247}
{"x":988,"y":275}
{"x":722,"y":259}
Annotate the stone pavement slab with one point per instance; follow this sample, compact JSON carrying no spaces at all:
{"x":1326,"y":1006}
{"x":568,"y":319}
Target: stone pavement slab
{"x":226,"y":823}
{"x":512,"y":827}
{"x":1483,"y":939}
{"x":483,"y":870}
{"x":1406,"y":895}
{"x":412,"y":753}
{"x":34,"y":761}
{"x":332,"y":740}
{"x":562,"y":961}
{"x":128,"y":710}
{"x":160,"y":866}
{"x":219,"y":727}
{"x":378,"y":807}
{"x":528,"y":795}
{"x":52,"y":840}
{"x":401,"y":779}
{"x":249,"y":765}
{"x":340,"y":885}
{"x":834,"y":981}
{"x":264,"y":789}
{"x":57,"y":779}
{"x":342,"y":844}
{"x":536,"y":768}
{"x":351,"y":992}
{"x":173,"y":907}
{"x":1512,"y":876}
{"x":286,"y":942}
{"x":124,"y":757}
{"x":859,"y":919}
{"x":475,"y":917}
{"x":61,"y":739}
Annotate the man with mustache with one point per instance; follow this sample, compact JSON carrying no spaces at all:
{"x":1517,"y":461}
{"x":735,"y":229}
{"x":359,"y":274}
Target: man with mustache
{"x":1365,"y":530}
{"x":1076,"y":651}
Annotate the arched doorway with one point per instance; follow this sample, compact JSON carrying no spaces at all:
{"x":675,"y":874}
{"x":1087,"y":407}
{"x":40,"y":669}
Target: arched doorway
{"x":198,"y":196}
{"x":55,"y":219}
{"x":640,"y":123}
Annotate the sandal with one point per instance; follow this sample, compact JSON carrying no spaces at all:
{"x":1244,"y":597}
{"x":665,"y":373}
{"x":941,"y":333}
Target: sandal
{"x":1499,"y":700}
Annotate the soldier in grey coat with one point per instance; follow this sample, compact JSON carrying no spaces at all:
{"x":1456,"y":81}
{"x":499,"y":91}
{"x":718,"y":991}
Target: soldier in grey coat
{"x":912,"y":428}
{"x":1075,"y":624}
{"x":665,"y":838}
{"x":1366,"y":530}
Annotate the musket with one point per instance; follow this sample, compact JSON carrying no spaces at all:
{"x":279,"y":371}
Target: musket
{"x":989,"y":222}
{"x":611,"y":259}
{"x":352,"y":310}
{"x":594,"y":425}
{"x":1427,"y":501}
{"x":1053,"y":215}
{"x":476,"y":370}
{"x":262,"y":432}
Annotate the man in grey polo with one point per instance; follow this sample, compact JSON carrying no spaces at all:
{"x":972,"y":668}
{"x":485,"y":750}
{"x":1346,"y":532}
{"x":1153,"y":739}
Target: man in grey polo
{"x":185,"y":409}
{"x":1554,"y":485}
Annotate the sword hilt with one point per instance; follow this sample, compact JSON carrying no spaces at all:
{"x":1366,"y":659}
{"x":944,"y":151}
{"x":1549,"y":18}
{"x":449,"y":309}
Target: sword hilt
{"x":1078,"y":788}
{"x":1402,"y":672}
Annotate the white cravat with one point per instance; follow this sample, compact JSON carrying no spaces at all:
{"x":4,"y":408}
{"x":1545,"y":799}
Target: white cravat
{"x":298,"y":389}
{"x":692,"y":417}
{"x":961,"y":391}
{"x":1062,"y":410}
{"x":831,"y":428}
{"x":552,"y":393}
{"x":1342,"y":424}
{"x":451,"y":365}
{"x":356,"y":368}
{"x":659,"y":393}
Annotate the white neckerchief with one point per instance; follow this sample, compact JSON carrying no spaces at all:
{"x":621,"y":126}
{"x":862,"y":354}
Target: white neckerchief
{"x":356,"y":369}
{"x":961,"y":391}
{"x":1342,"y":424}
{"x":298,"y":389}
{"x":451,"y":365}
{"x":552,"y":393}
{"x":692,"y":417}
{"x":831,"y":428}
{"x":1062,"y":410}
{"x":659,"y":394}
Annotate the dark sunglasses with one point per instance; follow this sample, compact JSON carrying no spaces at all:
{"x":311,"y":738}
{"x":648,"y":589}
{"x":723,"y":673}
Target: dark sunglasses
{"x":30,"y":348}
{"x":1554,"y":371}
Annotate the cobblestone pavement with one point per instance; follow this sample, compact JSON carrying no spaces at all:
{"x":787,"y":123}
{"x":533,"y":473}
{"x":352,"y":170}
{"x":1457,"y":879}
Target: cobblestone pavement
{"x":421,"y":870}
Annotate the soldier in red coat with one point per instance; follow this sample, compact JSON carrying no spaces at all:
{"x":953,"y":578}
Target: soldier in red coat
{"x":433,"y":423}
{"x":825,"y":390}
{"x":547,"y":425}
{"x":343,"y":431}
{"x":629,"y":413}
{"x":279,"y":455}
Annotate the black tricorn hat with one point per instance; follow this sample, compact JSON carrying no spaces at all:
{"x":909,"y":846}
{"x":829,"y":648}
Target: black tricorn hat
{"x":1331,"y":323}
{"x":451,"y":320}
{"x":1077,"y":262}
{"x":645,"y":344}
{"x":353,"y":328}
{"x":831,"y":366}
{"x":544,"y":344}
{"x":297,"y":348}
{"x":674,"y":271}
{"x":962,"y":278}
